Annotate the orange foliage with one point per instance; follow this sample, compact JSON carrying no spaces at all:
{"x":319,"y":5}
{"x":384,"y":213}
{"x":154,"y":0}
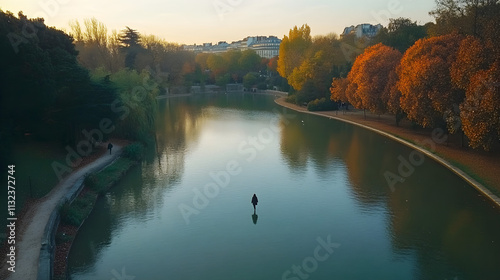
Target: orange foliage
{"x":392,"y":94}
{"x":338,"y":89}
{"x":471,"y":57}
{"x":427,"y":92}
{"x":480,"y":112}
{"x":369,"y":77}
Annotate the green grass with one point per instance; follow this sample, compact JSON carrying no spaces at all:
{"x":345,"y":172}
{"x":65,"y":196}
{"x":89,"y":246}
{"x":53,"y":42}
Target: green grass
{"x":101,"y":181}
{"x":134,"y":151}
{"x":74,"y":213}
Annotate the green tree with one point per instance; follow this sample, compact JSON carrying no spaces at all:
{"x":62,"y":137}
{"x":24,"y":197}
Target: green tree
{"x":130,"y":41}
{"x":249,"y":61}
{"x":250,"y":79}
{"x":401,"y":33}
{"x":45,"y":91}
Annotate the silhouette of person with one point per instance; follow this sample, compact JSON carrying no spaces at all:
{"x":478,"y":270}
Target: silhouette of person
{"x":254,"y":218}
{"x":110,"y":146}
{"x":255,"y":200}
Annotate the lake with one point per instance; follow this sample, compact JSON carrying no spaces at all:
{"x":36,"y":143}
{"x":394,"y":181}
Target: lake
{"x":326,"y":209}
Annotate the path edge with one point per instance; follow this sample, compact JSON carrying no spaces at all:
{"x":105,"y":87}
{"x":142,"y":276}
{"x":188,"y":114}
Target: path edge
{"x":474,"y":183}
{"x":48,"y":244}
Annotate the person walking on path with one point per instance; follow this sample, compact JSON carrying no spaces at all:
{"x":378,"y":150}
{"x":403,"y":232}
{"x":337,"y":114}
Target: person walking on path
{"x":110,"y":146}
{"x":255,"y":200}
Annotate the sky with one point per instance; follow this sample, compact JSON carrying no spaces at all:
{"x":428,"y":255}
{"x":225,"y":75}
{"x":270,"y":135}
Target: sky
{"x":205,"y":21}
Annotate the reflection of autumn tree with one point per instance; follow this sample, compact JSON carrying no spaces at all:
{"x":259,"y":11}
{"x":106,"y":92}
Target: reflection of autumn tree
{"x":443,"y":227}
{"x":299,"y":146}
{"x":370,"y":75}
{"x":293,"y":147}
{"x":365,"y":166}
{"x":425,"y":82}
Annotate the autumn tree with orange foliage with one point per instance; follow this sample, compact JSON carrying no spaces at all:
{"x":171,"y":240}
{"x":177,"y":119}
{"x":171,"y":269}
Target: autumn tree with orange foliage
{"x":480,"y":112}
{"x":338,"y":89}
{"x":472,"y":57}
{"x":369,"y":77}
{"x":427,"y":93}
{"x":392,"y":95}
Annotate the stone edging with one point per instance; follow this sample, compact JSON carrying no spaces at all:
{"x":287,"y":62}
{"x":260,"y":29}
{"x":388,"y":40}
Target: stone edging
{"x":478,"y":186}
{"x":47,"y":250}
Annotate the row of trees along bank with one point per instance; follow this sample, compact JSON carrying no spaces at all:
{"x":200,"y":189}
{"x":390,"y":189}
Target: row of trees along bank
{"x":444,"y":74}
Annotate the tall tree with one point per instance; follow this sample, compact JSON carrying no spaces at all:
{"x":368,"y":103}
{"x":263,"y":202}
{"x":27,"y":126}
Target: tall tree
{"x":44,"y":90}
{"x":370,"y":75}
{"x":338,"y":89}
{"x":92,"y":43}
{"x":293,"y":49}
{"x":425,"y":83}
{"x":480,"y":18}
{"x":130,"y":40}
{"x":401,"y":33}
{"x":472,"y":57}
{"x":480,"y":112}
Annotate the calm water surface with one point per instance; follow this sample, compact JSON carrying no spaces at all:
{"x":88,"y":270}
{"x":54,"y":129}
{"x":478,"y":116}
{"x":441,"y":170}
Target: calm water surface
{"x":325,"y":209}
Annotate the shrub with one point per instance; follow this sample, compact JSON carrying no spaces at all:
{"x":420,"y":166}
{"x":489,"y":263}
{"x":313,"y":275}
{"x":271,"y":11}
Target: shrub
{"x":291,"y":99}
{"x":322,"y":104}
{"x":134,"y":151}
{"x":74,"y":213}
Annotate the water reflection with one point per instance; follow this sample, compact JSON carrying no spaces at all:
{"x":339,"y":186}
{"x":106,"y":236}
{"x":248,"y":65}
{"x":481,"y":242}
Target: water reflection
{"x":452,"y":230}
{"x":434,"y":223}
{"x":255,"y":217}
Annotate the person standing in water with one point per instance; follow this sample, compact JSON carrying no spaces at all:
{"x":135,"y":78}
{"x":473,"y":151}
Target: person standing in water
{"x":255,"y":200}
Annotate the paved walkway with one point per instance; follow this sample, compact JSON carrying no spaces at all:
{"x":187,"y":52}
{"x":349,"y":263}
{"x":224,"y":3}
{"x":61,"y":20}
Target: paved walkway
{"x":30,"y":235}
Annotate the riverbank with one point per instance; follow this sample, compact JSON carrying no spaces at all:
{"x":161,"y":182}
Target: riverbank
{"x":480,"y":169}
{"x":73,"y":215}
{"x":32,"y":225}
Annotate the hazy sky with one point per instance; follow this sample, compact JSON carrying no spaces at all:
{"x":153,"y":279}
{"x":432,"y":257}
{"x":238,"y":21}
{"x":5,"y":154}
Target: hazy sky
{"x":199,"y":21}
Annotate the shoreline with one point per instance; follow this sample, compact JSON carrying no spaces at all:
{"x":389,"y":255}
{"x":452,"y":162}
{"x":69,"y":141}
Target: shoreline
{"x":35,"y":234}
{"x":482,"y":189}
{"x":62,"y":250}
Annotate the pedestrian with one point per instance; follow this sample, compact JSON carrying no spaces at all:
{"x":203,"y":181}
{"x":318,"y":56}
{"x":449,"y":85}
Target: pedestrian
{"x":110,"y":146}
{"x":255,"y":200}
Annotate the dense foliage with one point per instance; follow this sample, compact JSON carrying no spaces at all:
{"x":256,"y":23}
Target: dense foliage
{"x":448,"y":79}
{"x":45,"y":92}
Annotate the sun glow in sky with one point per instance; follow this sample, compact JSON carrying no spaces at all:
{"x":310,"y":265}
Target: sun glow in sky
{"x":199,"y":21}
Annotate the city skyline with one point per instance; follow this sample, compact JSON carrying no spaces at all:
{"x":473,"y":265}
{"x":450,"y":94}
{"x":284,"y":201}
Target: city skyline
{"x":197,"y":21}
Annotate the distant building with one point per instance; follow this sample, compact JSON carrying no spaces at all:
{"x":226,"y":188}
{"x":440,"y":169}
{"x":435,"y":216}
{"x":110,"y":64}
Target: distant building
{"x":267,"y":47}
{"x":363,"y":30}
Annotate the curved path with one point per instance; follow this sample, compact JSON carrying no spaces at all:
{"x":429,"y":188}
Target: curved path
{"x":480,"y":187}
{"x":29,"y":237}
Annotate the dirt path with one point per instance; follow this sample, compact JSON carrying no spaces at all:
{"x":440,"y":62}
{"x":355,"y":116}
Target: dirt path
{"x":30,"y":234}
{"x":486,"y":166}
